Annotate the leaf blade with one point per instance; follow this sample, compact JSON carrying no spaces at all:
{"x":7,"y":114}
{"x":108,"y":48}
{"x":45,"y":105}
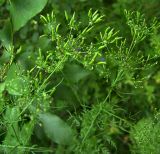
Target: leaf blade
{"x":56,"y":129}
{"x":22,"y":11}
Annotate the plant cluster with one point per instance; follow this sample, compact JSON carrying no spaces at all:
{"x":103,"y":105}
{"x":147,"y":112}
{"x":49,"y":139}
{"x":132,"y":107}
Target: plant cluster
{"x":73,"y":81}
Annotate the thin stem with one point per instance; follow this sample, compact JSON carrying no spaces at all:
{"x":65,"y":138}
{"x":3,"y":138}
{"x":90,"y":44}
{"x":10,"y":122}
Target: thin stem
{"x":91,"y":125}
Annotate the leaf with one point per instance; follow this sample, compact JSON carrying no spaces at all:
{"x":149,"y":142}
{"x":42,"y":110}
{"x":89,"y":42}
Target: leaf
{"x":16,"y":134}
{"x":26,"y":132}
{"x":56,"y":129}
{"x":15,"y":84}
{"x":12,"y":72}
{"x":145,"y":132}
{"x":11,"y":119}
{"x":23,"y":10}
{"x":75,"y":73}
{"x":6,"y":56}
{"x":2,"y":88}
{"x":6,"y":35}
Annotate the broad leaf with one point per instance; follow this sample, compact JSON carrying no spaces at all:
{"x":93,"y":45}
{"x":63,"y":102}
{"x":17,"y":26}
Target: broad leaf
{"x":56,"y":129}
{"x":24,"y":10}
{"x":15,"y":83}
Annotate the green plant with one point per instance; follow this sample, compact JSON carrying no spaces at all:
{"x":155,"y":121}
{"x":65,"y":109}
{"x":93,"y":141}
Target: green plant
{"x":145,"y":136}
{"x":74,"y":85}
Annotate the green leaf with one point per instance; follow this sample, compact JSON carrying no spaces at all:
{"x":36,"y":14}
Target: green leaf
{"x":56,"y":129}
{"x":5,"y":57}
{"x":16,"y":134}
{"x":6,"y":35}
{"x":12,"y":72}
{"x":26,"y":132}
{"x":15,"y":83}
{"x":23,"y":10}
{"x":11,"y":119}
{"x":145,"y":136}
{"x":74,"y":73}
{"x":2,"y":88}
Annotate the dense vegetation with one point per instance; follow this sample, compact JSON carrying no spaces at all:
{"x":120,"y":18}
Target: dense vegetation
{"x":79,"y":76}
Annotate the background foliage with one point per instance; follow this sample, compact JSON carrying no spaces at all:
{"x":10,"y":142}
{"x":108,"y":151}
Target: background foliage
{"x":79,"y":76}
